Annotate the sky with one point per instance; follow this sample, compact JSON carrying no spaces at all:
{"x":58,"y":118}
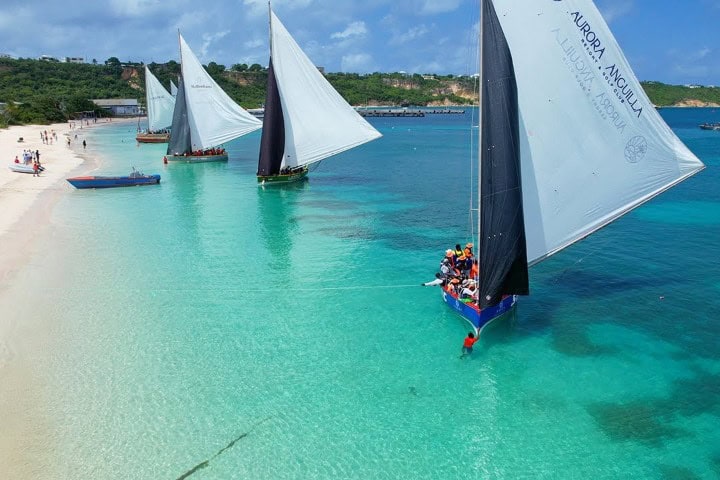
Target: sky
{"x":671,"y":41}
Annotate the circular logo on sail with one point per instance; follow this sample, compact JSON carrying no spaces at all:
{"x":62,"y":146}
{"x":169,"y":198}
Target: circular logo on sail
{"x":636,"y":149}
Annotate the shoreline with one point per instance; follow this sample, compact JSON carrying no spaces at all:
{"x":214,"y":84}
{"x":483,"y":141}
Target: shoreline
{"x":28,"y":203}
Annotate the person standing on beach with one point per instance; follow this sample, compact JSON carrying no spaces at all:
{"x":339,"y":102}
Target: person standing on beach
{"x":84,"y":144}
{"x":36,"y":169}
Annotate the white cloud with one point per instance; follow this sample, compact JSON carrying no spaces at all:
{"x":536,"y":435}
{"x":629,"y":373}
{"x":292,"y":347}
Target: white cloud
{"x":260,"y":7}
{"x":357,"y":62}
{"x":209,"y":39}
{"x":135,"y":8}
{"x":353,"y":29}
{"x":410,"y":35}
{"x":251,"y":44}
{"x":431,"y":7}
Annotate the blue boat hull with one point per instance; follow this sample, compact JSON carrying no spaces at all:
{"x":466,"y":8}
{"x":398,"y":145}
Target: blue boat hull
{"x":111,"y":182}
{"x":479,"y":318}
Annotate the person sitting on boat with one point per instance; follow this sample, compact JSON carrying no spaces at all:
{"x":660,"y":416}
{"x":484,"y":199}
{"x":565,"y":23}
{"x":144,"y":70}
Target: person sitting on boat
{"x":439,"y":280}
{"x":458,"y":250}
{"x":474,"y":269}
{"x":470,"y":291}
{"x":463,"y":265}
{"x":447,"y":268}
{"x":468,"y":250}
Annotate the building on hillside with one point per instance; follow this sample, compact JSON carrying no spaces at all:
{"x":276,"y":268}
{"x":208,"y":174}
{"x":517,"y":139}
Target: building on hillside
{"x":48,"y":58}
{"x":74,"y":60}
{"x":119,"y":107}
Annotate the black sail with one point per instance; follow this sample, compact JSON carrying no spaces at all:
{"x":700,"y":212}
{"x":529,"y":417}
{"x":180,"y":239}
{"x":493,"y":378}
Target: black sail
{"x":502,"y":250}
{"x":272,"y":143}
{"x":180,"y":142}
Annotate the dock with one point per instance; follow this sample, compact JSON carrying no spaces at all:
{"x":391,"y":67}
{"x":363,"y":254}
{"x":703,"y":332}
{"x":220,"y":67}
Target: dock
{"x":406,"y":112}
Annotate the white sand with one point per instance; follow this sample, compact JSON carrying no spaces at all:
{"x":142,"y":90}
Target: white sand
{"x":26,"y":204}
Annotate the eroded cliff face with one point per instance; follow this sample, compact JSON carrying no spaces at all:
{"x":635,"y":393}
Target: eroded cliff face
{"x":695,"y":103}
{"x":132,"y":76}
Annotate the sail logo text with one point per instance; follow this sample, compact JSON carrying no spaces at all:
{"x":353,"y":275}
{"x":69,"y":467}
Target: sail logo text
{"x":622,"y":88}
{"x":197,"y":85}
{"x":584,"y":73}
{"x":588,"y":34}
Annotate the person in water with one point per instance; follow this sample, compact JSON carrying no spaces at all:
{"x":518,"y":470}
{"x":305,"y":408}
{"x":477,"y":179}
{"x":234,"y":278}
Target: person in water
{"x":468,"y":343}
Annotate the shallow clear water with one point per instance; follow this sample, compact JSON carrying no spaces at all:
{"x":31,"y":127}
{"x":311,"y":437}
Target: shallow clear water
{"x":208,"y":310}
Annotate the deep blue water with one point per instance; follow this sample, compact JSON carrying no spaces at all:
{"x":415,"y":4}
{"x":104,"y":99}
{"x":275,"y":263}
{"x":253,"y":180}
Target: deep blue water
{"x":190,"y":314}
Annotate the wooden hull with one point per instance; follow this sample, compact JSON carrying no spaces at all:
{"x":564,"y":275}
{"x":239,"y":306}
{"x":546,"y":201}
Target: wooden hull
{"x":279,"y":179}
{"x":112,"y":182}
{"x":196,"y":158}
{"x":152,"y":137}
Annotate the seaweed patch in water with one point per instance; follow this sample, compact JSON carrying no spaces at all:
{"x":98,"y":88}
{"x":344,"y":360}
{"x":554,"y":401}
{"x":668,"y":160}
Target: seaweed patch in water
{"x":635,"y":422}
{"x":206,"y":463}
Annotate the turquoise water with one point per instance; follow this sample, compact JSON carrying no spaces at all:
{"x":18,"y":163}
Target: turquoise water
{"x":289,"y":325}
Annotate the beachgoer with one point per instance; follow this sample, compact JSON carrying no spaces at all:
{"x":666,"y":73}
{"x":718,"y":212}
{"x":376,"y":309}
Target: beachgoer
{"x":468,"y":343}
{"x":17,"y":160}
{"x":84,"y":144}
{"x":36,"y":169}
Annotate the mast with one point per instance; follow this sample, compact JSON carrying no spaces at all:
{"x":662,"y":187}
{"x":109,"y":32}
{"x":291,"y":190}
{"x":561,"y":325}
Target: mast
{"x":479,"y":169}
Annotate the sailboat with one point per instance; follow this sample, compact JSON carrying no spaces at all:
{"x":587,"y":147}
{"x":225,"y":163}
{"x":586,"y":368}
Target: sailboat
{"x":306,"y":120}
{"x":160,"y":105}
{"x":205,"y":116}
{"x":562,"y":152}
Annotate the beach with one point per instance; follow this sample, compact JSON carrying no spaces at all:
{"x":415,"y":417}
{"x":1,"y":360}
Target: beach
{"x":26,"y":204}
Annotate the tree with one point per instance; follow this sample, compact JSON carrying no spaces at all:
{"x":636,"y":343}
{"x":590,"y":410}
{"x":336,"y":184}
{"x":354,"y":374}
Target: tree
{"x":112,"y":62}
{"x":239,"y":67}
{"x":94,"y":62}
{"x":256,"y":67}
{"x":215,"y":69}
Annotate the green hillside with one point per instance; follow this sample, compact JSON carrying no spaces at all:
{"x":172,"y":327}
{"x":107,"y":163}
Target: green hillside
{"x":37,"y":91}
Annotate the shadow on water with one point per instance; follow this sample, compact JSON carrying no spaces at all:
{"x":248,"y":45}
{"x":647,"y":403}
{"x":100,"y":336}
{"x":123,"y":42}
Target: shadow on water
{"x":638,"y":421}
{"x":673,"y":472}
{"x":649,"y":421}
{"x":278,"y":226}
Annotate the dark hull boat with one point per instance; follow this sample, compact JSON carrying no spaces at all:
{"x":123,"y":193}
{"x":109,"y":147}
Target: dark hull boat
{"x":539,"y":189}
{"x":296,"y":92}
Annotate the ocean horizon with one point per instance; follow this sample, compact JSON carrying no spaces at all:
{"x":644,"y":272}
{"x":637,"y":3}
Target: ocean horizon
{"x":210,"y":328}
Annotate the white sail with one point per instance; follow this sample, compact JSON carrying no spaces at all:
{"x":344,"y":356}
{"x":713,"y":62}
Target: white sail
{"x":160,"y":103}
{"x":213,"y":116}
{"x":173,"y":89}
{"x":318,"y":121}
{"x":595,"y":146}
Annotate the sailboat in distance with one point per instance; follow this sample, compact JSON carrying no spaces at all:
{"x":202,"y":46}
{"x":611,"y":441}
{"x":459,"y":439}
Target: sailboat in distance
{"x":562,"y":152}
{"x":205,"y":116}
{"x":306,"y":120}
{"x":160,"y":105}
